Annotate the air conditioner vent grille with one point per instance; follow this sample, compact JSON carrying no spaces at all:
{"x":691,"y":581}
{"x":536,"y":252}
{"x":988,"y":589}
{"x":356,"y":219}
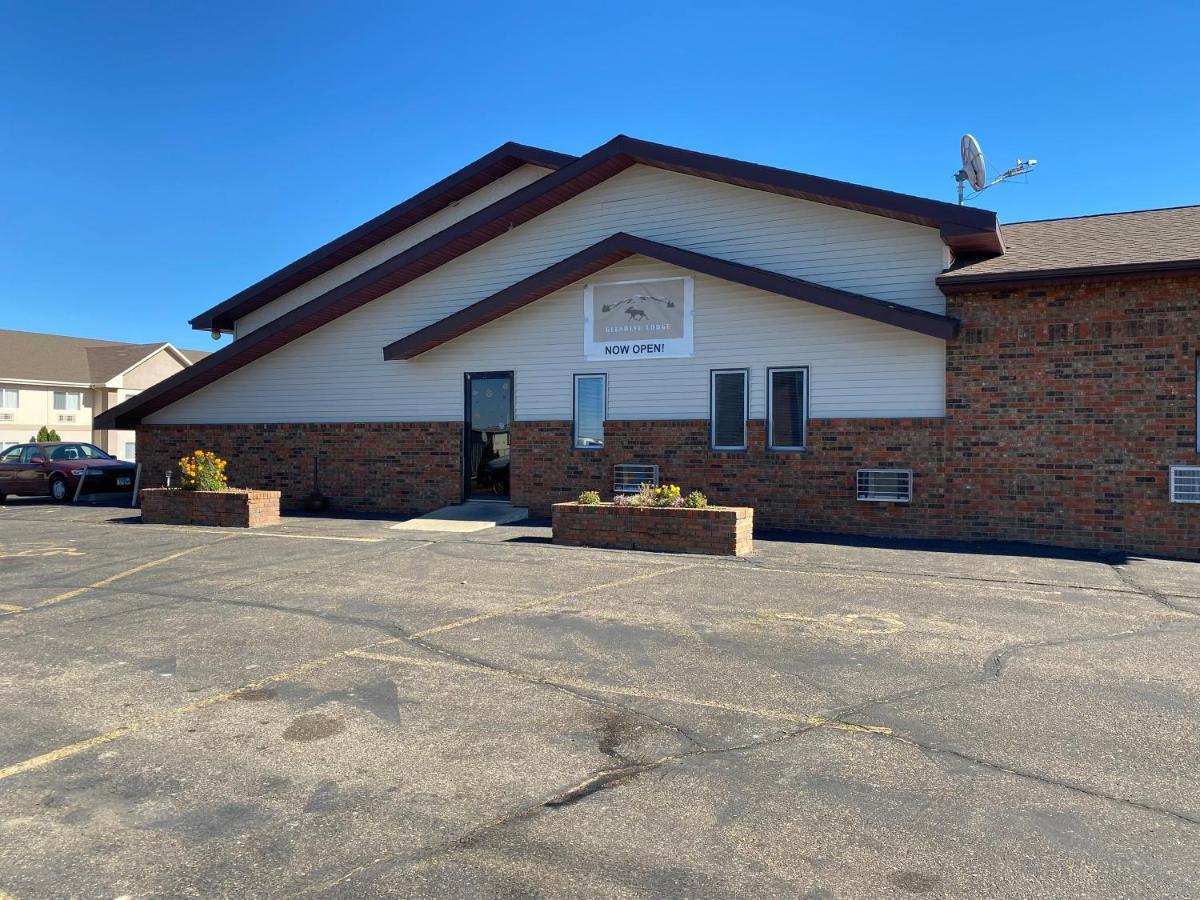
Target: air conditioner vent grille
{"x":629,"y":477}
{"x":885,"y":485}
{"x":1185,"y":484}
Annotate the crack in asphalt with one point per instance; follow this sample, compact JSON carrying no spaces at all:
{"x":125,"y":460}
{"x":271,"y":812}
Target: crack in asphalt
{"x":1150,"y":593}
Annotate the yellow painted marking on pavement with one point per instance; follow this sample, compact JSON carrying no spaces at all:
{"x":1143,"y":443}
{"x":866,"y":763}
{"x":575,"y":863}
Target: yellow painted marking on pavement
{"x":53,"y":756}
{"x":578,"y":592}
{"x":42,"y":551}
{"x":104,"y":582}
{"x":780,"y":715}
{"x":302,"y":537}
{"x":6,"y":896}
{"x":10,"y":608}
{"x":63,"y":752}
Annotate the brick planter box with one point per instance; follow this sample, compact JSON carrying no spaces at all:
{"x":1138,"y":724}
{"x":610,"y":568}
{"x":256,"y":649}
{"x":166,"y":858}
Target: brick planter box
{"x":227,"y":509}
{"x":716,"y":530}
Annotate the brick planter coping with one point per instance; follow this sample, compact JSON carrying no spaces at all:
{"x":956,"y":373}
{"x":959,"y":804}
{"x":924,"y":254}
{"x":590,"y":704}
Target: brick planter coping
{"x":715,"y":530}
{"x":234,"y":508}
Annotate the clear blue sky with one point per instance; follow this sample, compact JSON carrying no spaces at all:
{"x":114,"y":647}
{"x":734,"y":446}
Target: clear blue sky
{"x":156,"y":158}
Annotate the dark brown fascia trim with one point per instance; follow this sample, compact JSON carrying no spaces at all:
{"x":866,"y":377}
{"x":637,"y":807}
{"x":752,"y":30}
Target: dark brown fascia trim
{"x":994,"y":281}
{"x":958,"y":223}
{"x":482,"y":172}
{"x":476,"y":229}
{"x":963,"y":228}
{"x":620,"y":246}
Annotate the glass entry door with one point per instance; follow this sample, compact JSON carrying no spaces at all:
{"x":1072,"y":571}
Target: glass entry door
{"x":489,"y":408}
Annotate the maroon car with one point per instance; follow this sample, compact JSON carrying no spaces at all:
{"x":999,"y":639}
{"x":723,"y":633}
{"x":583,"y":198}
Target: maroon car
{"x":36,"y":470}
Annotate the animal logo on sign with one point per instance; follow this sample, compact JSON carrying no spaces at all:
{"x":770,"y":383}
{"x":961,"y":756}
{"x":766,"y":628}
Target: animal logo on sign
{"x":635,"y":314}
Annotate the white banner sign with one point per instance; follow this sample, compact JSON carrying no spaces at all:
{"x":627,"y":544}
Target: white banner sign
{"x":637,"y":319}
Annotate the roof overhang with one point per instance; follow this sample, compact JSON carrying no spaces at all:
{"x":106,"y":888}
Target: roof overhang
{"x":467,"y":180}
{"x":620,"y":246}
{"x":951,"y":283}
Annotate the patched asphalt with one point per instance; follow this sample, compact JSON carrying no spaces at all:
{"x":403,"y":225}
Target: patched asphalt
{"x":332,"y":707}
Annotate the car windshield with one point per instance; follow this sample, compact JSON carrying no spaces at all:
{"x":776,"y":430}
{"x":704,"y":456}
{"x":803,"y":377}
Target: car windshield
{"x":67,"y":452}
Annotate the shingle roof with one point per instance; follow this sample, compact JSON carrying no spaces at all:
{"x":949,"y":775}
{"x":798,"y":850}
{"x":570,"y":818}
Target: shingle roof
{"x":70,"y":360}
{"x":1111,"y":243}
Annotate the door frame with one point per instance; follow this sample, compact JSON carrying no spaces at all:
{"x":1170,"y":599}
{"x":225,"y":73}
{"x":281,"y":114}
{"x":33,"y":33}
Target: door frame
{"x":466,"y":438}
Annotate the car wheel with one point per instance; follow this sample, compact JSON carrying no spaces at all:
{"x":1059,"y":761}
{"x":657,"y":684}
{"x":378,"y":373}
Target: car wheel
{"x":58,"y":489}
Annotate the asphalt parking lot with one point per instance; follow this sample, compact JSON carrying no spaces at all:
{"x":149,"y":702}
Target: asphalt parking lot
{"x":335,"y":708}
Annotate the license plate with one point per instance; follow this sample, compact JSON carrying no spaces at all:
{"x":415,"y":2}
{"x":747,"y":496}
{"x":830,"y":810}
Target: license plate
{"x":124,"y":482}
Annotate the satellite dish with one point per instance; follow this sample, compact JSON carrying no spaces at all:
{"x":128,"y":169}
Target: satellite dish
{"x":972,"y":162}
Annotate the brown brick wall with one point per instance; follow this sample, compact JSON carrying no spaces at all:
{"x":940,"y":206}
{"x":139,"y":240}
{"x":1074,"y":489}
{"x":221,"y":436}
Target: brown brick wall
{"x":812,"y":490}
{"x":717,"y":531}
{"x":1065,"y":407}
{"x":395,"y":467}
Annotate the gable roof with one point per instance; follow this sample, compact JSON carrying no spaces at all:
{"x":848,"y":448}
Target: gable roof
{"x":1129,"y":243}
{"x":621,"y":246}
{"x":467,"y":180}
{"x":964,"y":228}
{"x":58,"y":359}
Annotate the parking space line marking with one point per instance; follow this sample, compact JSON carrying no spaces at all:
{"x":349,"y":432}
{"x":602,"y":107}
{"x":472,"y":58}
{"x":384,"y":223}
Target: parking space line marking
{"x":792,"y":718}
{"x":483,"y":617}
{"x":52,"y":756}
{"x":63,"y":752}
{"x":303,"y":537}
{"x":11,"y":608}
{"x":104,"y":582}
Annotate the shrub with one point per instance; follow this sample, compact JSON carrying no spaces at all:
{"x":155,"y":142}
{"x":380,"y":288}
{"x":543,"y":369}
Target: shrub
{"x":589,"y":498}
{"x":695,"y":500}
{"x":46,"y":435}
{"x":203,"y":471}
{"x":657,"y":495}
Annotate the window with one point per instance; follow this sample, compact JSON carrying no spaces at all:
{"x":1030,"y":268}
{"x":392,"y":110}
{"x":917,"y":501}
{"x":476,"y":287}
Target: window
{"x":10,"y":398}
{"x":590,"y":396}
{"x":11,"y":454}
{"x":787,"y":408}
{"x":31,"y":454}
{"x":131,"y":451}
{"x":727,"y":409}
{"x":70,"y":401}
{"x":77,"y":451}
{"x":1185,"y":484}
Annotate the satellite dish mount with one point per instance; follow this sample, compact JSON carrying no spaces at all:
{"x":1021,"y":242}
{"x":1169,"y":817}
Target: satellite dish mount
{"x":974,"y":169}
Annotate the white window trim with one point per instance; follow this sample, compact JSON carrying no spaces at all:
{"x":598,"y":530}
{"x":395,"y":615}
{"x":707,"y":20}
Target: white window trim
{"x":575,"y":409}
{"x":712,"y":407}
{"x":771,"y":409}
{"x":16,"y":392}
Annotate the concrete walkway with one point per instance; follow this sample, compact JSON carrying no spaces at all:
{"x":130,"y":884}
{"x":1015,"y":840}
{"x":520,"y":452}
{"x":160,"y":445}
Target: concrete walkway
{"x":474,"y":515}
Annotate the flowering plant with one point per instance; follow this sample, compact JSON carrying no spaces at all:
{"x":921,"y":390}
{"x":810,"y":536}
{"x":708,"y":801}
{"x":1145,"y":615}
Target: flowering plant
{"x":203,"y":471}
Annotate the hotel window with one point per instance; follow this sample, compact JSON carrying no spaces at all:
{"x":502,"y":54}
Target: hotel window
{"x":787,"y":408}
{"x":729,"y":398}
{"x":130,"y":451}
{"x":590,"y":401}
{"x":10,"y":398}
{"x":68,"y":401}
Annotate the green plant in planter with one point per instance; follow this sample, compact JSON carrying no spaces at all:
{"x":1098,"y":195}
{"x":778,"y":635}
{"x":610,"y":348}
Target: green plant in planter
{"x":46,"y":435}
{"x":589,"y":498}
{"x":203,"y":471}
{"x":695,"y":500}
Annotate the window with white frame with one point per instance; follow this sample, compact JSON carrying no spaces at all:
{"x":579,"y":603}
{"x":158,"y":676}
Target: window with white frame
{"x":130,"y":451}
{"x":729,"y":395}
{"x":10,"y":398}
{"x":787,"y":408}
{"x":590,"y":411}
{"x":68,"y":401}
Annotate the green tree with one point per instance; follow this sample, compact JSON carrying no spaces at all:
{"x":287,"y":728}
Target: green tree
{"x":45,"y":435}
